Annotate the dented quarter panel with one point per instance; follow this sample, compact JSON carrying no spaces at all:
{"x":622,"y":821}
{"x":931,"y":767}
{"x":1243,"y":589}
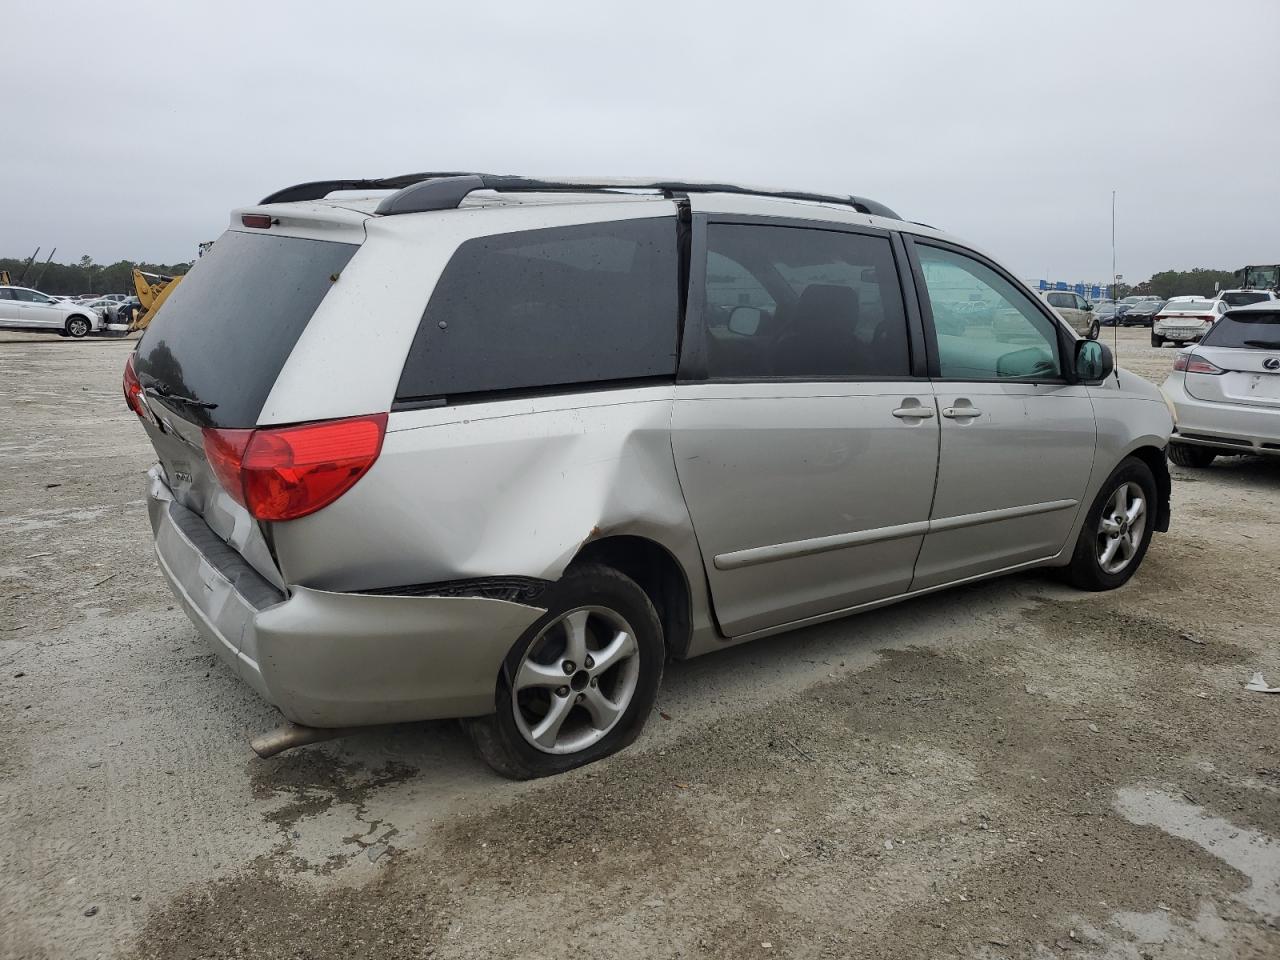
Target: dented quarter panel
{"x":510,"y":487}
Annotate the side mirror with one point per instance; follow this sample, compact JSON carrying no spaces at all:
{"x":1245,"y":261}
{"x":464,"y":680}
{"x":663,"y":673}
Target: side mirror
{"x":1088,"y":307}
{"x":1093,"y":361}
{"x":744,"y":321}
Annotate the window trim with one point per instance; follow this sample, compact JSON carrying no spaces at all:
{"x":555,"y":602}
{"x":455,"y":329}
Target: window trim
{"x":1065,"y":341}
{"x":692,"y":367}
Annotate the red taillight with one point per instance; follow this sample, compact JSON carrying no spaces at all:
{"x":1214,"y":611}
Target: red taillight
{"x":1208,"y":319}
{"x":283,"y":473}
{"x":1194,"y":364}
{"x":133,"y":389}
{"x":259,"y":221}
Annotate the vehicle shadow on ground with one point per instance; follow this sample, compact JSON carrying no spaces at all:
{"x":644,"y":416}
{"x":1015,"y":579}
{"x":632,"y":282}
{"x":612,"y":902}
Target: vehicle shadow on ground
{"x":696,"y":693}
{"x":52,"y":339}
{"x":1240,"y":472}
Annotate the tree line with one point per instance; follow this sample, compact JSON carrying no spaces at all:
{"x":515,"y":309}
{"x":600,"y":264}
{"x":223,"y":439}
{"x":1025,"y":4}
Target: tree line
{"x":1199,"y":282}
{"x":83,"y":276}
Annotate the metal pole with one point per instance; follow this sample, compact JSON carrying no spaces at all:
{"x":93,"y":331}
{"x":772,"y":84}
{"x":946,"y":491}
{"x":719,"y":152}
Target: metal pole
{"x":27,"y":266}
{"x":35,"y":284}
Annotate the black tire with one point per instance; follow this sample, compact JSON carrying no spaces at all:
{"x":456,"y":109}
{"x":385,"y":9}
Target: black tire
{"x":1157,"y":341}
{"x":78,"y":327}
{"x":497,"y":737}
{"x":1094,"y":330}
{"x":1185,"y":455}
{"x":1085,"y":572}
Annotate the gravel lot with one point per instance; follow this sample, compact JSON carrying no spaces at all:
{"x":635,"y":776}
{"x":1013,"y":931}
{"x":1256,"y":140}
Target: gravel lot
{"x":1007,"y":770}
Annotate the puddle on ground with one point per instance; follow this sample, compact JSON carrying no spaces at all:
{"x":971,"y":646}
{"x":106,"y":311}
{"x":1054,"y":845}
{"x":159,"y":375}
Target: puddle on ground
{"x":332,"y":798}
{"x":1254,"y":854}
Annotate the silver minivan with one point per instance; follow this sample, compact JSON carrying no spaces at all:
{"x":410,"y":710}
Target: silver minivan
{"x":495,"y":448}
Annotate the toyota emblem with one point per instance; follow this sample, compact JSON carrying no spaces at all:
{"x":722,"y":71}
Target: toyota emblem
{"x":1272,"y":363}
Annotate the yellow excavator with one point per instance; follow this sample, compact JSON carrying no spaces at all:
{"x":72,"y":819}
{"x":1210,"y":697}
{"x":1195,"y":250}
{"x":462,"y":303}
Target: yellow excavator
{"x":152,"y":289}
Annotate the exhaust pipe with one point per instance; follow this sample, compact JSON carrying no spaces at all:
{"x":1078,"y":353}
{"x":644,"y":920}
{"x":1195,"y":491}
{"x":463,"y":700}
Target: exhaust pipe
{"x":290,"y":735}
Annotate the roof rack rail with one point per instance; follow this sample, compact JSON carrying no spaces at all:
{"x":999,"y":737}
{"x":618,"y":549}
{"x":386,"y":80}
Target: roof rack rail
{"x":420,"y":192}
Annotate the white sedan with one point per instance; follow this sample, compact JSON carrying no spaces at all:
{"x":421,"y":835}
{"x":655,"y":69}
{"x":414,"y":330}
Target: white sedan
{"x":1185,"y":319}
{"x":24,"y":309}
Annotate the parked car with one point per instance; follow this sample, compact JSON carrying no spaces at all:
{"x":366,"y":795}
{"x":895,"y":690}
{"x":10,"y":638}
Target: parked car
{"x":1185,"y":320}
{"x":1142,"y":314}
{"x":128,"y":310}
{"x":554,"y":467}
{"x":1075,"y":309}
{"x":1225,"y":391}
{"x":22,"y":308}
{"x":1105,"y":312}
{"x":1240,"y":298}
{"x":106,"y":308}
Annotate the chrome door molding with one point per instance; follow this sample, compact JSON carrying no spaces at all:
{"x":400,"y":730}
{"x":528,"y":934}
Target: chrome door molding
{"x":887,"y":601}
{"x":803,"y":548}
{"x":806,"y":548}
{"x":1003,"y":513}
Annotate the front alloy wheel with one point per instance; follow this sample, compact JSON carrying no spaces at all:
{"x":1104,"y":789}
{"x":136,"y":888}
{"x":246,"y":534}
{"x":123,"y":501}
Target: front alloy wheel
{"x":78,"y":327}
{"x":1117,"y":529}
{"x":1121,"y":526}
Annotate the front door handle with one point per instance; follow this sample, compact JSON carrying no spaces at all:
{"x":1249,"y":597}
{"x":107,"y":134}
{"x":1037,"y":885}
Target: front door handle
{"x":914,"y":411}
{"x":962,"y":411}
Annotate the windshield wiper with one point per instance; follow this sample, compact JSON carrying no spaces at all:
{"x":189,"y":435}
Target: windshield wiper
{"x":1263,"y":344}
{"x":164,"y":394}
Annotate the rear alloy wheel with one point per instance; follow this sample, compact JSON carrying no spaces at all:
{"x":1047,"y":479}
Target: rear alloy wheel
{"x":1157,"y":341}
{"x":1185,"y":455}
{"x":581,"y":682}
{"x":77,"y":327}
{"x":1117,"y":529}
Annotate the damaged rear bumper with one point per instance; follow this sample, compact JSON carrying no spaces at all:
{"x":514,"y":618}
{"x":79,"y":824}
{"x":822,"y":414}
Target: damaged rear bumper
{"x":330,"y":659}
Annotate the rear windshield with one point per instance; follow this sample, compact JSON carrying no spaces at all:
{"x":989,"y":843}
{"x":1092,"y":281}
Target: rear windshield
{"x":1256,"y":331}
{"x":1189,"y":306}
{"x":224,"y":333}
{"x":1244,"y":297}
{"x":585,"y":304}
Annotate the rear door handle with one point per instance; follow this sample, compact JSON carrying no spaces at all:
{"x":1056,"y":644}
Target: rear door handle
{"x":916,"y":412}
{"x":961,"y":413}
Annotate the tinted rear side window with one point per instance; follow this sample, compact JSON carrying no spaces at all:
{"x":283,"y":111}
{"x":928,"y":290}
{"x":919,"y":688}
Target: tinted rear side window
{"x":1257,"y":331}
{"x":224,"y":333}
{"x":544,"y":308}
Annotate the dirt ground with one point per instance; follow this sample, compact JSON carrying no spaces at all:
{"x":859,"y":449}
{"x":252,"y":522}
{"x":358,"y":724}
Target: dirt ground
{"x":1011,"y":769}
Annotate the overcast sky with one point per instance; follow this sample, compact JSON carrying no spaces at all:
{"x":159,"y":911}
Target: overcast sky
{"x":132,"y":129}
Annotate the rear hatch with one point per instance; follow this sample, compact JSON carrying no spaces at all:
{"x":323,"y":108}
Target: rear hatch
{"x":212,"y":353}
{"x":1245,"y":345}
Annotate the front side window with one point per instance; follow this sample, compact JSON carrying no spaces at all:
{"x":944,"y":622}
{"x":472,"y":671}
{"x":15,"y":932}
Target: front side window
{"x":800,"y":303}
{"x":28,"y":296}
{"x":1015,"y":341}
{"x":581,"y":304}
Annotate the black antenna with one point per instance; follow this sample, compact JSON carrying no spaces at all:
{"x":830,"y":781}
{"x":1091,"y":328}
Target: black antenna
{"x":1115,"y":296}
